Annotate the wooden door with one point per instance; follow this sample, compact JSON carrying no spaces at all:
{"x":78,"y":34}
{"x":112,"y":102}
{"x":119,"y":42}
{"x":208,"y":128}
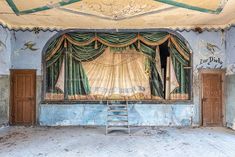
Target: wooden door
{"x":211,"y":95}
{"x":23,"y":97}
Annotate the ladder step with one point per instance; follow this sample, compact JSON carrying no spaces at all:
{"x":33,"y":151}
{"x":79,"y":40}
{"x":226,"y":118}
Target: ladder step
{"x":116,"y":102}
{"x":118,"y":120}
{"x":118,"y":115}
{"x":118,"y":128}
{"x":117,"y":123}
{"x":115,"y":110}
{"x":117,"y":105}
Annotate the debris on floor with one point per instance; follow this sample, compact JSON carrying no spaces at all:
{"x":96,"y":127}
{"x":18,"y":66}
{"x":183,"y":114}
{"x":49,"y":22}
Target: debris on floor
{"x":92,"y":142}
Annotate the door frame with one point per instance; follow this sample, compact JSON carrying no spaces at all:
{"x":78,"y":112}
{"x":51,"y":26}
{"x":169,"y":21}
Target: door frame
{"x":212,"y":71}
{"x":11,"y":101}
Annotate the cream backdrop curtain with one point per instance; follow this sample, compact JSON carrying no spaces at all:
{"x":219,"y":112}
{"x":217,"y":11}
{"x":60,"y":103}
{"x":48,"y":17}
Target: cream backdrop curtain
{"x":171,"y":80}
{"x":117,"y":75}
{"x":60,"y":81}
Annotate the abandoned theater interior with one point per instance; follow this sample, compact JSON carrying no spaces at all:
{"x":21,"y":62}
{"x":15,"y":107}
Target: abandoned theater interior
{"x":117,"y":64}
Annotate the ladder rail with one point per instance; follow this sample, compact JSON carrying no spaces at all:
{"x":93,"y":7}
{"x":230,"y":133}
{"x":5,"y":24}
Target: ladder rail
{"x":129,"y":130}
{"x":106,"y":130}
{"x":117,"y":117}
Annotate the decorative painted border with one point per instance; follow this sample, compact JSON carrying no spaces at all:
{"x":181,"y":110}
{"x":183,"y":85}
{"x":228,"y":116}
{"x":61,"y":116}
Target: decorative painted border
{"x":186,"y":6}
{"x":46,"y":7}
{"x":178,"y":29}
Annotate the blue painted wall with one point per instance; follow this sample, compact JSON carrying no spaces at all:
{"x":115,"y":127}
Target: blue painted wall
{"x":230,"y":78}
{"x":5,"y":63}
{"x":186,"y":114}
{"x":95,"y":114}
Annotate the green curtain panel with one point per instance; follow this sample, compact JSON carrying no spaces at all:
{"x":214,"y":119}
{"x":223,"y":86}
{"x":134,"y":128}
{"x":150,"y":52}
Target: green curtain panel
{"x":86,"y":53}
{"x":117,"y":38}
{"x":53,"y":67}
{"x":154,"y":36}
{"x":154,"y":79}
{"x":182,"y":74}
{"x":81,"y":37}
{"x":52,"y":75}
{"x":77,"y":81}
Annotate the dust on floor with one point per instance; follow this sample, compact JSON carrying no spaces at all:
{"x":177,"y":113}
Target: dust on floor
{"x":92,"y":142}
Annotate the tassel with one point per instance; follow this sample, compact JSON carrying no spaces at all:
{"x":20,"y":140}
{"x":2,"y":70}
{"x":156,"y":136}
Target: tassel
{"x":169,"y":42}
{"x":138,"y":44}
{"x":96,"y":44}
{"x":138,"y":37}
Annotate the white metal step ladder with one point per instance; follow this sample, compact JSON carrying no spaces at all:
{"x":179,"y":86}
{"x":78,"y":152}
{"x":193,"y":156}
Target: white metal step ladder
{"x":117,"y":116}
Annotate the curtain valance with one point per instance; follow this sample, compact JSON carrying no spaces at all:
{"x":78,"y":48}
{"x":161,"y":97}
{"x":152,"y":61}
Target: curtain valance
{"x":117,"y":40}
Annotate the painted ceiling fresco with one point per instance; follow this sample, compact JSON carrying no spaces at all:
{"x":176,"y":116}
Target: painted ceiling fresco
{"x":63,"y":14}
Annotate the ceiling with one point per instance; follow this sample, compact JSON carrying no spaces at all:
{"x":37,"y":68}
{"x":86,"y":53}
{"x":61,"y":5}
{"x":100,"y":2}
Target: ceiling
{"x":117,"y":14}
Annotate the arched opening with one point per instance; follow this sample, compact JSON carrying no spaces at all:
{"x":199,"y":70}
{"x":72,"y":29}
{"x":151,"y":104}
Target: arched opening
{"x":133,"y":66}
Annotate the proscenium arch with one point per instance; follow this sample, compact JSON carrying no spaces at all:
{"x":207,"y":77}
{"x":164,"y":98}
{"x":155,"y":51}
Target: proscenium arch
{"x":178,"y":35}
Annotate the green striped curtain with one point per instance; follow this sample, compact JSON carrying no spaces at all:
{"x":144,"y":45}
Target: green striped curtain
{"x":52,"y":75}
{"x":154,"y":79}
{"x":77,"y":81}
{"x":182,"y":74}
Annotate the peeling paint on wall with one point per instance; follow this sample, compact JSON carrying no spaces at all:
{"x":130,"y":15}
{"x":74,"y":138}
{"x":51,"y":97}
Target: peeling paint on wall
{"x":94,"y":114}
{"x":230,"y":69}
{"x":208,"y":52}
{"x":5,"y":51}
{"x":230,"y":78}
{"x":4,"y":99}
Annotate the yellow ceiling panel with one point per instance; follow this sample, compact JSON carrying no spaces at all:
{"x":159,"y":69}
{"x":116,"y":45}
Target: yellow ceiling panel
{"x":116,"y":14}
{"x":23,"y":5}
{"x":207,"y":4}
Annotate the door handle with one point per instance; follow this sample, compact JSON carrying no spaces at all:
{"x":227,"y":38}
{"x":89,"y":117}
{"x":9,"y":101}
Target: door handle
{"x":204,"y":99}
{"x":30,"y":98}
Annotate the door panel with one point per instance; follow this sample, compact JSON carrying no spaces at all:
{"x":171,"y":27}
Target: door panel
{"x":212,"y":99}
{"x":23,"y":96}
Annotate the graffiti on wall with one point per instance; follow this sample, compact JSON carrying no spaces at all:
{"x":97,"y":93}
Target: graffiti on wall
{"x":210,"y":63}
{"x":210,"y":56}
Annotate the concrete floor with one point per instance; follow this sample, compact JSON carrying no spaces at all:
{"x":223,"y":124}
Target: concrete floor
{"x":91,"y":142}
